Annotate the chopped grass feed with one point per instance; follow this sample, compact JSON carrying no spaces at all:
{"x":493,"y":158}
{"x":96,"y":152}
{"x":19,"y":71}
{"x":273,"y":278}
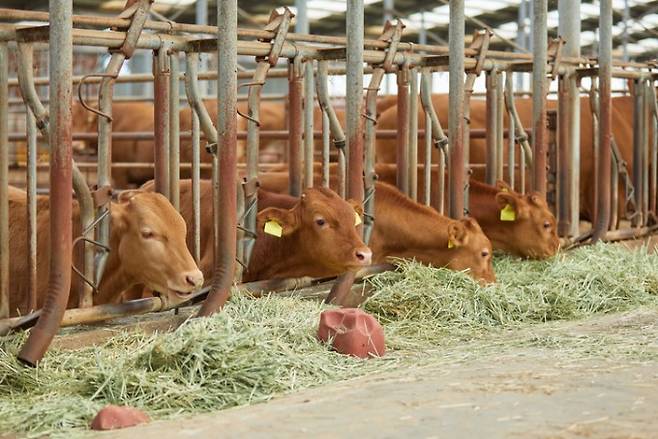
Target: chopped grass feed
{"x":257,"y":348}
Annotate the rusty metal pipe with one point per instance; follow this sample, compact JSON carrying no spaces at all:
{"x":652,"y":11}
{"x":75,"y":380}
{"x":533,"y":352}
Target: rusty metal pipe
{"x":564,"y":160}
{"x":511,"y":142}
{"x":295,"y":126}
{"x":61,"y":187}
{"x":412,"y":159}
{"x":492,"y":107}
{"x":161,"y":120}
{"x":4,"y":183}
{"x":308,"y":123}
{"x":654,"y":150}
{"x":325,"y":150}
{"x":638,"y":152}
{"x":174,"y":131}
{"x":456,"y":109}
{"x":196,"y":181}
{"x":605,"y":121}
{"x":501,"y":93}
{"x":227,"y":19}
{"x":402,"y":146}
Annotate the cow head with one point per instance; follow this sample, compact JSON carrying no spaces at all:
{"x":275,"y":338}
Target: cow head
{"x":531,"y":225}
{"x":149,"y":238}
{"x":321,"y":228}
{"x":470,"y":249}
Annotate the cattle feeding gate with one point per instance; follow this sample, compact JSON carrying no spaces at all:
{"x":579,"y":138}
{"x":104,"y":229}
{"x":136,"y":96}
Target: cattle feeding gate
{"x":548,"y":162}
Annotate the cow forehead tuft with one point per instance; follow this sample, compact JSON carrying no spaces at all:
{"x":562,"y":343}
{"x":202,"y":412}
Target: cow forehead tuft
{"x":156,"y":208}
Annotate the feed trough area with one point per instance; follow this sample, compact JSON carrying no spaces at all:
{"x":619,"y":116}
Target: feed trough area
{"x":333,"y":219}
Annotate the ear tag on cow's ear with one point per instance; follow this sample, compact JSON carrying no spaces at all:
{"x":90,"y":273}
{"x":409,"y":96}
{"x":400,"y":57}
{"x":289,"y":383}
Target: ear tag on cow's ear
{"x":357,"y":219}
{"x":451,"y":244}
{"x":507,"y":213}
{"x":273,"y":228}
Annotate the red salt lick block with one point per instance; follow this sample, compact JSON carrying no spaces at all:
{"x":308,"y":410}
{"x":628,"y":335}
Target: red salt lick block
{"x":353,"y":331}
{"x":111,"y":417}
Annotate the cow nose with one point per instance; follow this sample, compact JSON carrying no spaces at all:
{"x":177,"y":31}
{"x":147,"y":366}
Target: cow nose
{"x":194,"y":279}
{"x":364,"y":255}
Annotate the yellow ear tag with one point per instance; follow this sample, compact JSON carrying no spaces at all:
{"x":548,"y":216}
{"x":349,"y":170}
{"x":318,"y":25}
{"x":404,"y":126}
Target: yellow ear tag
{"x":450,"y":243}
{"x":273,"y":228}
{"x":507,"y":213}
{"x":357,"y":219}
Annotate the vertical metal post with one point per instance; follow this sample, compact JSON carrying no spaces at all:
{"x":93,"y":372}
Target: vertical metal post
{"x":511,"y":137}
{"x":402,"y":146}
{"x":646,"y":120}
{"x":32,"y":157}
{"x":563,"y":160}
{"x":569,"y":29}
{"x":521,"y":37}
{"x":309,"y":142}
{"x":389,"y":6}
{"x":605,"y":122}
{"x":227,"y":81}
{"x":456,"y":103}
{"x":500,"y":127}
{"x":325,"y":149}
{"x":539,"y":130}
{"x":161,"y":120}
{"x":653,"y":99}
{"x":61,"y":187}
{"x":638,"y":151}
{"x":413,"y":134}
{"x":354,"y":99}
{"x":625,"y":35}
{"x":492,"y":107}
{"x":196,"y":179}
{"x":4,"y":181}
{"x":201,"y":11}
{"x":295,"y":126}
{"x":174,"y":130}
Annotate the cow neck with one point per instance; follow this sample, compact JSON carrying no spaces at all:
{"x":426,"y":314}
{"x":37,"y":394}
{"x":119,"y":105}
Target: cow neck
{"x":407,"y":229}
{"x":484,"y":208}
{"x":114,"y":280}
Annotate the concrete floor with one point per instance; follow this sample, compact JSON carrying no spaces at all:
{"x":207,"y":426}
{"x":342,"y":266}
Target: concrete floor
{"x":591,"y":379}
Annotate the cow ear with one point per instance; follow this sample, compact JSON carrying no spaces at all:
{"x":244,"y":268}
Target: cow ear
{"x":277,"y":222}
{"x":149,"y":186}
{"x":457,"y":235}
{"x":512,"y":206}
{"x":125,"y":196}
{"x":502,"y":186}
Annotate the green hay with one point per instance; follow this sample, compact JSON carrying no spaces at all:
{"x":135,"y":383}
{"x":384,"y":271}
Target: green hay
{"x":255,"y":349}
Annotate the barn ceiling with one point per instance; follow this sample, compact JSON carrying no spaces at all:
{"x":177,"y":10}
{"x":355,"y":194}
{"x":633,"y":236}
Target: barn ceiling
{"x":328,"y":17}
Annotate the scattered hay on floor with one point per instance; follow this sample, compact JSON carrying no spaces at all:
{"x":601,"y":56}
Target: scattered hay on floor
{"x":255,"y":349}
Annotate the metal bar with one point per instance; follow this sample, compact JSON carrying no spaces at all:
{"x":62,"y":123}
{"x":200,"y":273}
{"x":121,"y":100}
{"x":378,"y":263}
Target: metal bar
{"x":540,"y":133}
{"x":492,"y":107}
{"x":402,"y":145}
{"x":354,"y":22}
{"x":511,"y":142}
{"x":638,"y":152}
{"x":500,"y":103}
{"x":563,"y":162}
{"x":334,"y":124}
{"x":61,"y":187}
{"x":645,"y":152}
{"x":161,"y":120}
{"x":456,"y":104}
{"x":605,"y":122}
{"x":174,"y":131}
{"x":295,"y":126}
{"x":413,"y":135}
{"x":196,"y":180}
{"x":654,"y":149}
{"x":227,"y":19}
{"x":325,"y":149}
{"x":31,"y":128}
{"x":201,"y":17}
{"x":569,"y":28}
{"x":4,"y":183}
{"x":427,"y":161}
{"x":309,"y":96}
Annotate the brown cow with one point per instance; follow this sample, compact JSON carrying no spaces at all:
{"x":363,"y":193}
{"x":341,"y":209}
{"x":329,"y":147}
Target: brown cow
{"x":621,"y":129}
{"x":147,"y":246}
{"x":405,"y":228}
{"x":318,"y":236}
{"x":531,"y":234}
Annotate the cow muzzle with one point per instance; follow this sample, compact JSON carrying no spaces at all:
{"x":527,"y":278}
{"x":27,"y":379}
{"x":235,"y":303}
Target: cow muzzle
{"x":363,"y":256}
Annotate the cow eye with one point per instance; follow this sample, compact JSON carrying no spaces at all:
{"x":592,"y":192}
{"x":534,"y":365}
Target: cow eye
{"x":547,"y":224}
{"x":320,"y":222}
{"x":485,"y":253}
{"x":147,"y":234}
